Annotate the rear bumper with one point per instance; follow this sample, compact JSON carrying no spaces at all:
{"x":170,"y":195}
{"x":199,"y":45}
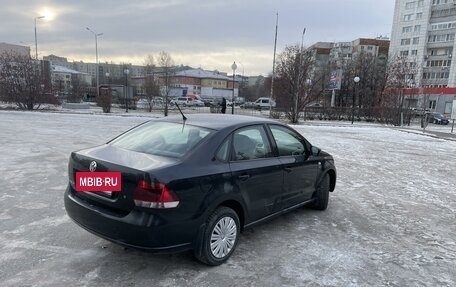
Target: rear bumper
{"x":138,"y":229}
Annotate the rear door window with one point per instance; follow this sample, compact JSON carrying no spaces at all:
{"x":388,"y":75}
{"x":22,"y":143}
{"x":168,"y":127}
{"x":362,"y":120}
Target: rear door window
{"x":251,"y":143}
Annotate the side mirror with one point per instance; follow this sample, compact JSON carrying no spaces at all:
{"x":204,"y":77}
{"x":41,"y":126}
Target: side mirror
{"x":315,"y":151}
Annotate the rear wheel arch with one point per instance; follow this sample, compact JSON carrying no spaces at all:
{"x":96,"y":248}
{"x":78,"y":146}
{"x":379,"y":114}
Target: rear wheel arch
{"x":209,"y":235}
{"x":238,"y":208}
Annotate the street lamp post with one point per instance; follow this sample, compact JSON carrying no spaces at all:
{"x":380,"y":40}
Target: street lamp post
{"x":107,"y":77}
{"x":36,"y":40}
{"x":96,"y":55}
{"x":241,"y":82}
{"x":356,"y":80}
{"x":126,"y":72}
{"x":234,"y":67}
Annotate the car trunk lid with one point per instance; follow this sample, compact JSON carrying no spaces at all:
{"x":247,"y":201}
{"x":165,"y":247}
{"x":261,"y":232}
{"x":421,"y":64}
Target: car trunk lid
{"x":134,"y":167}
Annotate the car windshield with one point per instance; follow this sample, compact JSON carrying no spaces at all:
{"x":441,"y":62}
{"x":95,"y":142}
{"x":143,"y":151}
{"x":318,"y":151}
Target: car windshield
{"x":162,"y":138}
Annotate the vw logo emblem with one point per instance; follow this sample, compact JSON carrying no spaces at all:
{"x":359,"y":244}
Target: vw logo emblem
{"x":93,"y":166}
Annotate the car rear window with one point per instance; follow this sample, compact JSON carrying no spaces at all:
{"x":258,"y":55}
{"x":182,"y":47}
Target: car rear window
{"x":162,"y":138}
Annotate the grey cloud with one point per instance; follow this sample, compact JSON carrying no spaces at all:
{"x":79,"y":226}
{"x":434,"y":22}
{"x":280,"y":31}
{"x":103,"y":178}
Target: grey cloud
{"x":196,"y":32}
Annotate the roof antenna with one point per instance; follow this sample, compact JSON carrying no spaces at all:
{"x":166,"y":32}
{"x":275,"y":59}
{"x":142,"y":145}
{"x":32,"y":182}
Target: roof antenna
{"x":184,"y":118}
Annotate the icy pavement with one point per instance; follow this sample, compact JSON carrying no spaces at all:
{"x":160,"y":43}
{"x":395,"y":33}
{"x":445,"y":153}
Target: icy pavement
{"x":391,"y":220}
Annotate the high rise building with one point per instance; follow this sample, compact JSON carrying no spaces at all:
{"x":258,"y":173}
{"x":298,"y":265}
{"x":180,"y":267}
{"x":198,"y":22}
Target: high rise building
{"x":424,"y":32}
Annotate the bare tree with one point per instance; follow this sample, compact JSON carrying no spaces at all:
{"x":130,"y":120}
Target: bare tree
{"x":297,"y":83}
{"x":149,"y":64}
{"x":401,"y":75}
{"x":104,"y":100}
{"x":151,"y":86}
{"x":366,"y":94}
{"x":152,"y":89}
{"x":260,"y":88}
{"x":78,"y":88}
{"x":166,"y":63}
{"x":21,"y":82}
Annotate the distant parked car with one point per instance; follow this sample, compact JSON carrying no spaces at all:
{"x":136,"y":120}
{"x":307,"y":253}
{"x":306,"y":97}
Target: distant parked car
{"x":198,"y":103}
{"x":264,"y":103}
{"x":248,"y":105}
{"x":208,"y":101}
{"x":154,"y":102}
{"x":184,"y":101}
{"x":437,"y":118}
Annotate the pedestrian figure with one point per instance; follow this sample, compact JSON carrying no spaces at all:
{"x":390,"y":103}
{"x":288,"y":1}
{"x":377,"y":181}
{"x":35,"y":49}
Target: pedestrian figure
{"x":223,"y":105}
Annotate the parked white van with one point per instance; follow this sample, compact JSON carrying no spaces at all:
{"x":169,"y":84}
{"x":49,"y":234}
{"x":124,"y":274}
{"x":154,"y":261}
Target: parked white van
{"x":264,"y":103}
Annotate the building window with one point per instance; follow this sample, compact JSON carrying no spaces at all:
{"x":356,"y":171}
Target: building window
{"x":441,"y":38}
{"x":443,"y":26}
{"x":408,"y":17}
{"x":414,"y":52}
{"x":417,"y":28}
{"x":405,"y":42}
{"x":440,"y":2}
{"x":420,"y":3}
{"x":404,"y":53}
{"x":416,"y":40}
{"x":419,"y":15}
{"x":432,"y":104}
{"x":438,"y":63}
{"x":410,"y":5}
{"x":407,"y":29}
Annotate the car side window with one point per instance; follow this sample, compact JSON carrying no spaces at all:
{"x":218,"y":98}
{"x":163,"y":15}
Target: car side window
{"x":224,"y":151}
{"x":251,"y":143}
{"x":288,"y":142}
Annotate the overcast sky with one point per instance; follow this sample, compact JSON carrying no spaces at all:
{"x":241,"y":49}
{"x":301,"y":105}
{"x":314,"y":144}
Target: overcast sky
{"x":210,"y":34}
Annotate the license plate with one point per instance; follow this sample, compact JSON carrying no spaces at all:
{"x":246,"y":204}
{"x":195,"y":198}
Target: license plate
{"x":98,"y":181}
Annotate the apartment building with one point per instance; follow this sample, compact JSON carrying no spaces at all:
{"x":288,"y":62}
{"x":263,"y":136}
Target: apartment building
{"x":424,"y":32}
{"x":14,"y":49}
{"x":62,"y":78}
{"x":106,"y":71}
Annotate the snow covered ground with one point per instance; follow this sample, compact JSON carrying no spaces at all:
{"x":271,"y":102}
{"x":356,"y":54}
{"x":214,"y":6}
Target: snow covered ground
{"x":391,"y":220}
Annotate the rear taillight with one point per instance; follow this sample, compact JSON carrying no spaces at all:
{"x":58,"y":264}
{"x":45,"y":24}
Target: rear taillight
{"x":154,"y":195}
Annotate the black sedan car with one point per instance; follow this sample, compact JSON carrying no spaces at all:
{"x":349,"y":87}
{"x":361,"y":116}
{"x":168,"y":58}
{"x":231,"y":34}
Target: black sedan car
{"x":170,"y":184}
{"x":438,"y":118}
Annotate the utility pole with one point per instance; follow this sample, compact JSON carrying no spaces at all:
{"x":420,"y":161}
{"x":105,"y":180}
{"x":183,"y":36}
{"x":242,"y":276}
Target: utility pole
{"x":273,"y":66}
{"x":299,"y":76}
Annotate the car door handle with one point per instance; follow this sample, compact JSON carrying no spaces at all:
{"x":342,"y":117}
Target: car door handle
{"x":288,"y":169}
{"x":244,"y":177}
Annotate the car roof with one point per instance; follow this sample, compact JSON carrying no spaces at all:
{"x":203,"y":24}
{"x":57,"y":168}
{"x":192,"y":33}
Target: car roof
{"x":217,"y":121}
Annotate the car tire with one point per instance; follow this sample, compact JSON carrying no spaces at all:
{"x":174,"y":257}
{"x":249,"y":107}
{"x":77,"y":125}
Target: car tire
{"x":220,"y":223}
{"x":322,"y":194}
